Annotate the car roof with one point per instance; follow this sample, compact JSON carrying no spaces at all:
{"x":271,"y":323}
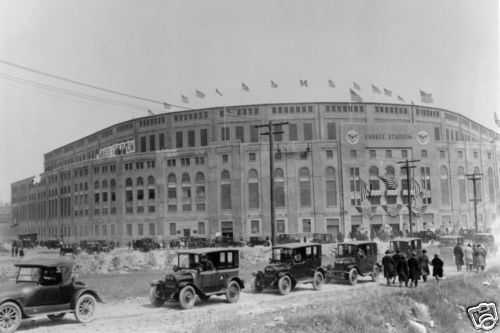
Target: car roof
{"x":45,"y":262}
{"x":405,"y":239}
{"x":483,"y":234}
{"x":451,"y":237}
{"x":293,"y":245}
{"x":358,"y":242}
{"x":208,"y":250}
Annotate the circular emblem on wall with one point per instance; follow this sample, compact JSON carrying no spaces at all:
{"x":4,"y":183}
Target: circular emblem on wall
{"x":423,"y":137}
{"x":352,"y":137}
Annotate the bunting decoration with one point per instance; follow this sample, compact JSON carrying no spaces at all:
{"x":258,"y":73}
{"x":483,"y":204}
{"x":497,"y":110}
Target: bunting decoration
{"x":391,"y":182}
{"x":367,"y":210}
{"x":184,"y":99}
{"x":392,"y":210}
{"x":401,"y":99}
{"x":418,"y":211}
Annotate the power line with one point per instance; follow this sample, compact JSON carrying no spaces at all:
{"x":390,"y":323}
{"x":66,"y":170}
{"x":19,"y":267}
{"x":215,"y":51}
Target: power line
{"x":89,"y":85}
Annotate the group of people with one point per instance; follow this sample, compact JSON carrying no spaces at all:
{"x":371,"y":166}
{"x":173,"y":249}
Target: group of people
{"x":17,"y":252}
{"x":411,"y":269}
{"x":472,"y":256}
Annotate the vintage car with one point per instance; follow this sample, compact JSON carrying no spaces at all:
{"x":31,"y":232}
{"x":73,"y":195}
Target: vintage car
{"x":91,"y":247}
{"x":353,"y":259}
{"x":406,"y":246}
{"x":226,"y":242}
{"x":289,"y":265}
{"x":45,"y":287}
{"x":192,"y":276}
{"x":145,"y":244}
{"x":487,"y":240}
{"x":255,"y":240}
{"x":69,"y":248}
{"x":287,"y":238}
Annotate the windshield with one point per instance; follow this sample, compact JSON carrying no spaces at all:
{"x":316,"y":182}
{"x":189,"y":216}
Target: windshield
{"x":346,"y":250}
{"x":282,"y":254}
{"x":188,"y":260}
{"x":28,"y":274}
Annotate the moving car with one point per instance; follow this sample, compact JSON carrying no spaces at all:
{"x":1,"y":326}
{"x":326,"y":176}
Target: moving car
{"x":201,"y":272}
{"x":289,"y":265}
{"x":45,"y":287}
{"x":353,"y":259}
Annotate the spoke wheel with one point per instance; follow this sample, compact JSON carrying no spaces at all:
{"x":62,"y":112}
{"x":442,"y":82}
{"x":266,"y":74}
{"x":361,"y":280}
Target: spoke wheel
{"x":233,"y":292}
{"x":375,"y":274}
{"x":10,"y":317}
{"x":56,"y":317}
{"x":85,"y":308}
{"x":187,"y":297}
{"x":353,"y":276}
{"x":318,"y":280}
{"x":156,"y":297}
{"x":284,"y":285}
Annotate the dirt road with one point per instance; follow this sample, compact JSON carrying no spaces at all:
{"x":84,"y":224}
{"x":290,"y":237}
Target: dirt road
{"x":138,"y":314}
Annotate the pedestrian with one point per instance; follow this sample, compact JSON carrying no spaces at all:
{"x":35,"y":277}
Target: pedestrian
{"x":459,"y":257}
{"x":423,"y":262}
{"x":129,"y":244}
{"x":481,"y":257}
{"x":474,"y":256}
{"x":13,"y":250}
{"x":401,"y":268}
{"x":21,"y":253}
{"x":413,"y":269}
{"x":437,"y":267}
{"x":389,"y":267}
{"x":17,"y":251}
{"x":468,"y":258}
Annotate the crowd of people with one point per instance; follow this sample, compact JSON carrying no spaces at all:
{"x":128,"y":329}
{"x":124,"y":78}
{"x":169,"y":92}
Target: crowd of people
{"x":473,"y":257}
{"x":17,"y":252}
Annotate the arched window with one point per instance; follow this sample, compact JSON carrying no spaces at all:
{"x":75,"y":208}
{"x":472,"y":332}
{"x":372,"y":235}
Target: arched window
{"x":279,"y":188}
{"x":462,"y":185}
{"x":172,"y":192}
{"x":140,"y":181}
{"x":491,"y":185}
{"x":305,"y":187}
{"x":389,"y":171}
{"x":104,"y":184}
{"x":445,"y":188}
{"x":200,"y":191}
{"x":186,"y":192}
{"x":128,"y":182}
{"x":253,"y":189}
{"x":331,"y":187}
{"x":112,"y":185}
{"x":151,"y":181}
{"x":96,"y":185}
{"x":225,"y":190}
{"x":374,"y":181}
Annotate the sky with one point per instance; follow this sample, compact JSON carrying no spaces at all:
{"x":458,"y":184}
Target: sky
{"x":161,"y":49}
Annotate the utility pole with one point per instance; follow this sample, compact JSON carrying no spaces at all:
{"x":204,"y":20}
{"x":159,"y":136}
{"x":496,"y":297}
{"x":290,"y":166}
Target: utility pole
{"x":407,"y":166}
{"x":474,"y":177}
{"x":270,"y":132}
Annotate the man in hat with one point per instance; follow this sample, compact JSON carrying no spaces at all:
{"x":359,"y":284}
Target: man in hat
{"x":413,"y":269}
{"x":459,"y":257}
{"x":401,"y":268}
{"x":437,"y":267}
{"x":481,"y":257}
{"x":389,"y":267}
{"x":468,"y":258}
{"x":423,"y":262}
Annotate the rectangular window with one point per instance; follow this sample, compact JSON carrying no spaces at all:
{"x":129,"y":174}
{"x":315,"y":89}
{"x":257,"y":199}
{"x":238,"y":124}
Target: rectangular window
{"x":437,"y":133}
{"x":460,"y":154}
{"x":201,"y":228}
{"x":178,"y":140}
{"x":388,"y":154}
{"x":252,"y":157}
{"x":254,"y":134}
{"x":278,"y":136}
{"x":373,"y":153}
{"x":151,"y":229}
{"x":191,"y":139}
{"x":280,"y":226}
{"x":173,"y":229}
{"x":423,"y":153}
{"x":161,"y":141}
{"x":442,"y":154}
{"x":308,"y":134}
{"x":306,"y":225}
{"x":143,"y":144}
{"x":240,"y":134}
{"x":224,"y":133}
{"x":329,"y":154}
{"x":225,"y":158}
{"x":404,"y":153}
{"x":140,"y":194}
{"x":476,"y":155}
{"x":332,"y":131}
{"x":152,"y":142}
{"x":203,"y":137}
{"x":292,"y":132}
{"x":354,"y":153}
{"x":254,"y":225}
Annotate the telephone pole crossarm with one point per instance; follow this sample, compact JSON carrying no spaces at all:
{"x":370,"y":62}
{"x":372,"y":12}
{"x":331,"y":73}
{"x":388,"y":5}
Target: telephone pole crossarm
{"x":474,"y":177}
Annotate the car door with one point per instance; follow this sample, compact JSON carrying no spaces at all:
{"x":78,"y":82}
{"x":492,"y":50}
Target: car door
{"x":209,"y":278}
{"x":362,"y":261}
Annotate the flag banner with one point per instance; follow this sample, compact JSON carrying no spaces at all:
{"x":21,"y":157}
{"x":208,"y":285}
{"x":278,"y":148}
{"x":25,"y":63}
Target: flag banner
{"x":497,"y":121}
{"x":376,"y":89}
{"x":355,"y":97}
{"x":426,"y":97}
{"x":400,"y":99}
{"x":417,"y":188}
{"x":303,"y":83}
{"x":200,"y":94}
{"x":412,"y":103}
{"x":166,"y":106}
{"x":365,"y":191}
{"x":418,"y":211}
{"x":391,"y":182}
{"x":229,"y":114}
{"x":356,"y":86}
{"x":217,"y":91}
{"x":387,"y":92}
{"x":184,"y":99}
{"x":244,"y":87}
{"x":331,"y":84}
{"x":150,"y":112}
{"x":367,"y":209}
{"x":392,"y":210}
{"x":274,"y":84}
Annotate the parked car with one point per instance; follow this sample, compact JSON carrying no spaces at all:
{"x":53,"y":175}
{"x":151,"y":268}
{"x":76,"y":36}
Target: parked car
{"x":286,"y":239}
{"x":323,"y":238}
{"x":145,"y":244}
{"x":193,"y":276}
{"x":106,"y":246}
{"x":226,"y":242}
{"x":91,"y":247}
{"x":254,"y":240}
{"x":406,"y":246}
{"x":289,"y":265}
{"x":487,"y":240}
{"x":45,"y":287}
{"x":354,"y":259}
{"x":69,"y":248}
{"x":52,"y":244}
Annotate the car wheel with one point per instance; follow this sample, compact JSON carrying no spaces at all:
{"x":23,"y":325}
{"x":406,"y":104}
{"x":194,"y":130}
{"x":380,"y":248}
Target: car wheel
{"x":284,"y":285}
{"x":156,"y":297}
{"x":375,"y":274}
{"x":257,"y":286}
{"x":233,"y":292}
{"x":10,"y":317}
{"x":56,"y":317}
{"x":353,"y":276}
{"x":85,"y":308}
{"x":187,"y":297}
{"x":318,"y":280}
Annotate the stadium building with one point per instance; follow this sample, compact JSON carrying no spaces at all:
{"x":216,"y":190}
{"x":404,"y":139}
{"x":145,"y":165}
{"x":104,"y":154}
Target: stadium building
{"x":205,"y":172}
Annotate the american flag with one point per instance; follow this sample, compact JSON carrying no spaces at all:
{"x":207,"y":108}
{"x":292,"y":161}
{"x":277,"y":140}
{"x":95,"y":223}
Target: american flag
{"x":426,"y":97}
{"x":331,"y":84}
{"x":387,"y":92}
{"x":356,"y":86}
{"x":303,"y":83}
{"x":390,"y":182}
{"x":218,"y":92}
{"x":273,"y":84}
{"x":184,"y":99}
{"x":244,"y":87}
{"x":355,"y":97}
{"x":200,"y":94}
{"x":400,"y":99}
{"x":365,"y":191}
{"x":376,"y":89}
{"x":417,"y":188}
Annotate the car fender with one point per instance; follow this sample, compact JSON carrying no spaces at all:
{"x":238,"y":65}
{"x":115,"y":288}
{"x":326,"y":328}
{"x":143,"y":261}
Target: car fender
{"x":237,"y":279}
{"x":321,"y":270}
{"x":17,"y":302}
{"x":80,"y":292}
{"x":159,"y":283}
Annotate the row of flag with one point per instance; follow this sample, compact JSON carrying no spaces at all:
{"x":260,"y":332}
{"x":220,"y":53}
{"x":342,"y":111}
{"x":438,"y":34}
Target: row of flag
{"x":425,"y":97}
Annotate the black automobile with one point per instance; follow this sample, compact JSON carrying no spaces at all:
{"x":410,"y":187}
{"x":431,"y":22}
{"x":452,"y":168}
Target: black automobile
{"x":91,"y":247}
{"x":45,"y":287}
{"x":145,"y":244}
{"x":353,"y":259}
{"x":406,"y":246}
{"x":200,"y":272}
{"x":255,"y":240}
{"x":226,"y":242}
{"x":289,"y":265}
